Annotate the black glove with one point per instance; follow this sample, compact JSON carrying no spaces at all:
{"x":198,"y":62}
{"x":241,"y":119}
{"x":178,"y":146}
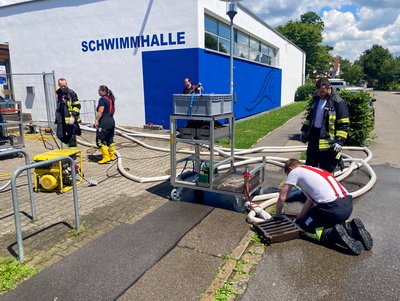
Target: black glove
{"x":280,"y":217}
{"x":341,"y":163}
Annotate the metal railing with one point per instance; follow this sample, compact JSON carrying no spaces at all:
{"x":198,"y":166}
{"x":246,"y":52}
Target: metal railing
{"x":32,"y":201}
{"x":88,"y":111}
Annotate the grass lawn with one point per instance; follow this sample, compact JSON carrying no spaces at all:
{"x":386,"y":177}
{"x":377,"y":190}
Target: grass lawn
{"x":249,"y":131}
{"x":12,"y":272}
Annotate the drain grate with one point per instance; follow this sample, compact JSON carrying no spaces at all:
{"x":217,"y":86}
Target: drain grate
{"x":278,"y":230}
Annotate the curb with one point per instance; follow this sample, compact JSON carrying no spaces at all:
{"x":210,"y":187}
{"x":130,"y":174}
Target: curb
{"x":224,"y":273}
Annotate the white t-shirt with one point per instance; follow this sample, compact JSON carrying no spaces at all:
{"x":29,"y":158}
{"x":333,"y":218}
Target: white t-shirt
{"x":321,"y":188}
{"x":319,"y":114}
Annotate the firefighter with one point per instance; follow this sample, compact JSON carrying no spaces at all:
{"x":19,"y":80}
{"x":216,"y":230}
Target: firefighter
{"x":328,"y":206}
{"x":67,"y":114}
{"x":105,"y":124}
{"x":325,"y":128}
{"x":190,"y":88}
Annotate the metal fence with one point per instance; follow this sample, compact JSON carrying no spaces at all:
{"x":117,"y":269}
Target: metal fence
{"x":36,"y":91}
{"x":88,"y":110}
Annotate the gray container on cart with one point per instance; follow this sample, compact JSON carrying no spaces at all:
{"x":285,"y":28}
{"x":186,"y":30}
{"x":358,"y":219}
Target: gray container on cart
{"x":202,"y":104}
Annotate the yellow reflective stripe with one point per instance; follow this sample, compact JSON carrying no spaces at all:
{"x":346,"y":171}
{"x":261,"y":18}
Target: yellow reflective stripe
{"x":312,"y":235}
{"x":75,"y":103}
{"x":344,"y":120}
{"x":342,"y":134}
{"x":75,"y":110}
{"x":318,"y":233}
{"x":324,"y":144}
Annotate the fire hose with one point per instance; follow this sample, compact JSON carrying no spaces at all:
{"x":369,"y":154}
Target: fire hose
{"x":257,"y":212}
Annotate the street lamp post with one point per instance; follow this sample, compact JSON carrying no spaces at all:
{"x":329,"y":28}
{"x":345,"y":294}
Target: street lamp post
{"x":231,"y":11}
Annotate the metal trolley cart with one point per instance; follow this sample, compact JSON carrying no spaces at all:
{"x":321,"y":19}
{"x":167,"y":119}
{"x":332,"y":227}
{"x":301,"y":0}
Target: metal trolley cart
{"x":209,"y":171}
{"x":11,"y":125}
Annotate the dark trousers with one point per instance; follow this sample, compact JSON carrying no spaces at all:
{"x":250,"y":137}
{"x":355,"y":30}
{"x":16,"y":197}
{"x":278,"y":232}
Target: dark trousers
{"x":324,"y":159}
{"x":67,"y":133}
{"x":105,"y":131}
{"x":328,"y":215}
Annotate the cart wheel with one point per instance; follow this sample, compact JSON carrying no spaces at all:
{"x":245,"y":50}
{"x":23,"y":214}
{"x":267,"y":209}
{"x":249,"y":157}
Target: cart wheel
{"x":239,"y":204}
{"x":176,"y":194}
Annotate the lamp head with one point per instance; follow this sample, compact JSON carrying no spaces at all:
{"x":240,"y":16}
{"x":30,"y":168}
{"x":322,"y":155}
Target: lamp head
{"x":231,"y":8}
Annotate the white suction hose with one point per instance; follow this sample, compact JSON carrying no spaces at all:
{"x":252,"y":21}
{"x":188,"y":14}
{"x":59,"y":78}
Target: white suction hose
{"x":5,"y":186}
{"x":271,"y":199}
{"x":267,"y":199}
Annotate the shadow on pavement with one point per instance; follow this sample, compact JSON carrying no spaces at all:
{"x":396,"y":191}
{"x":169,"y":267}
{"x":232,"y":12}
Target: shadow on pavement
{"x":14,"y":253}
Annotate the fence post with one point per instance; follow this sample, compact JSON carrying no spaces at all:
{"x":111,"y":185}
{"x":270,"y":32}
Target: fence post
{"x":17,"y":172}
{"x":46,"y":98}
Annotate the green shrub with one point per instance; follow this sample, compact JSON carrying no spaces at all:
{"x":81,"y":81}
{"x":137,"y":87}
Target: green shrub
{"x":361,"y":116}
{"x":394,"y":86}
{"x":305,"y":92}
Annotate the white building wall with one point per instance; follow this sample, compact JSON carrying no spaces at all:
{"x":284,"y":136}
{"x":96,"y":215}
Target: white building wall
{"x":46,"y":35}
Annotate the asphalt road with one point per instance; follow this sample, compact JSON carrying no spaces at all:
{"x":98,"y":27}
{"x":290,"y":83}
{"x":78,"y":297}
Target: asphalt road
{"x":302,"y":270}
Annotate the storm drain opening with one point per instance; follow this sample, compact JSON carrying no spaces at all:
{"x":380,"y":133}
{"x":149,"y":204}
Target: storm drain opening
{"x":278,"y":230}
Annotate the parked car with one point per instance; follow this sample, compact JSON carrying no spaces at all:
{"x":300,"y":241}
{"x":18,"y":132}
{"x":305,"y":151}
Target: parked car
{"x":354,"y":89}
{"x":337,"y":84}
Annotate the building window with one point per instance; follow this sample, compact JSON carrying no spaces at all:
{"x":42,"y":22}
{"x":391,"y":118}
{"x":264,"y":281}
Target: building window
{"x":217,"y":38}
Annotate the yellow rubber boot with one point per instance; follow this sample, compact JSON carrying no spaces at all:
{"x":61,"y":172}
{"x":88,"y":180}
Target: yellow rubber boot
{"x":105,"y":153}
{"x":111,"y":150}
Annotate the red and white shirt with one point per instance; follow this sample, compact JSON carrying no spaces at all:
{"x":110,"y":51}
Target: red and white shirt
{"x":317,"y":183}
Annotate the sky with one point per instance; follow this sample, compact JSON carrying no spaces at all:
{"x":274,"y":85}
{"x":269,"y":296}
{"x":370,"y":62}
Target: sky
{"x":351,"y":26}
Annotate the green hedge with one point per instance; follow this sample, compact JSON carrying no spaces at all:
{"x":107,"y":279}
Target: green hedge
{"x":361,"y":116}
{"x":304,"y":92}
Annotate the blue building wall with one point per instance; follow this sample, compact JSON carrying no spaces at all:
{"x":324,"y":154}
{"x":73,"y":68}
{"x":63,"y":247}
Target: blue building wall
{"x":257,"y":87}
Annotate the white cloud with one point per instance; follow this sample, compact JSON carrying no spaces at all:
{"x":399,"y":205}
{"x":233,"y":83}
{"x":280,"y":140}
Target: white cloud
{"x":374,"y":18}
{"x":392,"y":4}
{"x":351,"y":26}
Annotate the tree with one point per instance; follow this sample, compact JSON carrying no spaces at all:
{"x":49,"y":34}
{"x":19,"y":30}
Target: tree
{"x":389,"y":69}
{"x":307,"y":35}
{"x":377,"y":64}
{"x":313,"y":19}
{"x":351,"y":73}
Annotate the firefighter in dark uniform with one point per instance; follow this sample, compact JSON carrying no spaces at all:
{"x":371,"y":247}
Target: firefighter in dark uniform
{"x":67,"y":114}
{"x":105,"y":124}
{"x":325,"y":128}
